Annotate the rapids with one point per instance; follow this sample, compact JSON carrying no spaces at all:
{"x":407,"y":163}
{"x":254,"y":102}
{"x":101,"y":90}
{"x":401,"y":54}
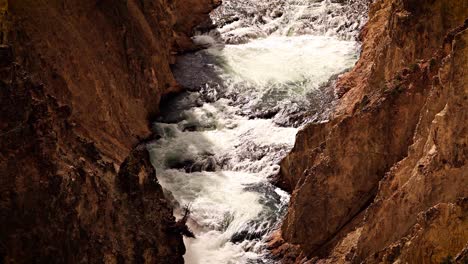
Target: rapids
{"x":268,"y":68}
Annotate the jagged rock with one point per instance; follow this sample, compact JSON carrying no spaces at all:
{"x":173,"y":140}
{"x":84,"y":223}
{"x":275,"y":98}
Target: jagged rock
{"x":394,"y":147}
{"x":202,"y":164}
{"x":75,"y":98}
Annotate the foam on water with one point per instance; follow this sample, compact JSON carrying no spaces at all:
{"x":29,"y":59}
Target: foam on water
{"x":241,"y":20}
{"x":236,"y":199}
{"x":222,"y":141}
{"x":309,"y":60}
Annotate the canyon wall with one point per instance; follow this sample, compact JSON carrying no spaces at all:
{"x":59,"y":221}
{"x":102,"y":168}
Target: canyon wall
{"x":386,"y":178}
{"x":79,"y":80}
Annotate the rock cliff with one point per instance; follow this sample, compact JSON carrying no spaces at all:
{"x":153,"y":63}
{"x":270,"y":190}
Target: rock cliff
{"x":79,"y":81}
{"x":386,"y":179}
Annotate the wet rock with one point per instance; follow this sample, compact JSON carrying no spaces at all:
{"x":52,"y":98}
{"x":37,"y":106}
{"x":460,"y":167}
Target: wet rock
{"x":257,"y":229}
{"x":194,"y":71}
{"x":211,"y":92}
{"x":201,"y":164}
{"x":271,"y":197}
{"x":265,"y":113}
{"x":208,"y":164}
{"x":171,"y":199}
{"x":203,"y":123}
{"x":190,"y":128}
{"x":252,"y":157}
{"x":245,"y":235}
{"x":291,"y":116}
{"x":179,"y":164}
{"x":172,"y":108}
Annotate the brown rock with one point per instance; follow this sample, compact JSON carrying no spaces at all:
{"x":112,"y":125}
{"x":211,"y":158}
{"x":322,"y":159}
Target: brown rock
{"x":396,"y":145}
{"x":6,"y":55}
{"x":74,"y":101}
{"x":437,"y":236}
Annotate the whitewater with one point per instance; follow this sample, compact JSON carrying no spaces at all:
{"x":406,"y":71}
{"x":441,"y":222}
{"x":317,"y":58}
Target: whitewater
{"x":267,"y":68}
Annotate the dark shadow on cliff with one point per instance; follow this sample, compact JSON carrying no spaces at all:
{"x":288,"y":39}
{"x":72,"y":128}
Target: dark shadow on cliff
{"x":196,"y":73}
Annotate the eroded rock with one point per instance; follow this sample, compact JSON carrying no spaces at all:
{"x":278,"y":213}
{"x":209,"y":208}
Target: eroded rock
{"x":394,"y":147}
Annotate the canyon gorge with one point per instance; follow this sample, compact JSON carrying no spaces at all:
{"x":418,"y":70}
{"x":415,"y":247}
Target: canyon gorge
{"x":234,"y":131}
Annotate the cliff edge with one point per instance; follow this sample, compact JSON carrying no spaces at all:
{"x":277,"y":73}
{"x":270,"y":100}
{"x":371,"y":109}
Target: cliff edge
{"x":78,"y":82}
{"x":386,"y":179}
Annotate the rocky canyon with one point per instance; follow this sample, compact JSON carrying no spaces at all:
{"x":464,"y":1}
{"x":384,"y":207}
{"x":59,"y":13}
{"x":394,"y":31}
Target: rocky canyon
{"x":79,"y":82}
{"x":114,"y":118}
{"x":385,"y":181}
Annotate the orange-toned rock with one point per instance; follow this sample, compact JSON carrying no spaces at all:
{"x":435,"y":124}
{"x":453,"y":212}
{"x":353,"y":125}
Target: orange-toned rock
{"x":438,"y":235}
{"x":79,"y":80}
{"x":107,"y":58}
{"x":396,"y":145}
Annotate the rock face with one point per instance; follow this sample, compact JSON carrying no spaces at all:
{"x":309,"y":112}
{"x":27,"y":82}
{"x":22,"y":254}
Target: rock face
{"x":78,"y":82}
{"x":386,"y":179}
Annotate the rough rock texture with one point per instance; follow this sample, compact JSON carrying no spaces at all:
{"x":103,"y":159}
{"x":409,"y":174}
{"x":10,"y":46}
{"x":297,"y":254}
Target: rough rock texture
{"x":395,"y":148}
{"x":108,"y":58}
{"x":438,"y":235}
{"x":78,"y":81}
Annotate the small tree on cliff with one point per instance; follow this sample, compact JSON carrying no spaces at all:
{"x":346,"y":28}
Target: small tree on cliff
{"x":181,"y":225}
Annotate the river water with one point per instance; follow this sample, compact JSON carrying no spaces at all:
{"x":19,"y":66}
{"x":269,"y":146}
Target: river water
{"x":267,"y":69}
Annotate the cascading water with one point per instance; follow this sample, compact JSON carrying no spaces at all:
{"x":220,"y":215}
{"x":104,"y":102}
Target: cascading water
{"x":265,"y":72}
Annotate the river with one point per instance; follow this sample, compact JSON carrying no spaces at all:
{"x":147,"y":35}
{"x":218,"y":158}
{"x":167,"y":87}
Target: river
{"x":268,"y":69}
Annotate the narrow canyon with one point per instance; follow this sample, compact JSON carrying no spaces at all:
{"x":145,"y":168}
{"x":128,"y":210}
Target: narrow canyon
{"x":234,"y":131}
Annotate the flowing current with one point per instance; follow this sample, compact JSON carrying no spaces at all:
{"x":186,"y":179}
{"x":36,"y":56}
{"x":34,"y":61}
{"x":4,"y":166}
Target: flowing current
{"x":268,"y":68}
